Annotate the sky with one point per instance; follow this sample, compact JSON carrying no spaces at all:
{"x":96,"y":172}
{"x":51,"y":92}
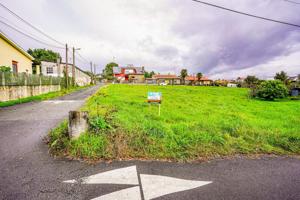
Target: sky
{"x":166,"y":35}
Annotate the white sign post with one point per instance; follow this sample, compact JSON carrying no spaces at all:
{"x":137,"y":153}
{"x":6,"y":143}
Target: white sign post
{"x":156,"y":98}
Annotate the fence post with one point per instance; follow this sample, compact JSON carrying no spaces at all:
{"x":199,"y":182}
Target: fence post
{"x":3,"y":78}
{"x":25,"y":85}
{"x":40,"y":86}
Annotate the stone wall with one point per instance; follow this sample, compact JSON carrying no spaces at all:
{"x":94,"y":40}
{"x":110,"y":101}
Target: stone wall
{"x":8,"y":93}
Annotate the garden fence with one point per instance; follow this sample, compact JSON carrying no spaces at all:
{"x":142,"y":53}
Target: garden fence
{"x":23,"y":79}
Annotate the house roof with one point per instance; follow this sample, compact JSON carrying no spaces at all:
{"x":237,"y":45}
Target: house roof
{"x":138,"y":70}
{"x":168,"y":76}
{"x":194,"y":78}
{"x":16,"y":46}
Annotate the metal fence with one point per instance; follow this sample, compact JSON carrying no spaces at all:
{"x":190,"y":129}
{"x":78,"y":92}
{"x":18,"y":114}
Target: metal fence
{"x":23,"y":79}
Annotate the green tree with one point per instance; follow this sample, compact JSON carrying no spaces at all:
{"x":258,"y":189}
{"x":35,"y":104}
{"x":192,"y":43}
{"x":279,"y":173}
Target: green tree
{"x":199,"y":76}
{"x":108,"y":71}
{"x":270,"y":90}
{"x":149,"y":74}
{"x":251,"y":81}
{"x":5,"y":69}
{"x":282,"y":76}
{"x":183,"y":74}
{"x":43,"y":55}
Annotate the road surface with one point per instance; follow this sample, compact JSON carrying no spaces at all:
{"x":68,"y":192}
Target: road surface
{"x":27,"y":171}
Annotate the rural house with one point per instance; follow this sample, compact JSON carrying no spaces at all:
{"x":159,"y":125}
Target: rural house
{"x":164,"y":79}
{"x":129,"y":74}
{"x":13,"y":56}
{"x":57,"y":70}
{"x":194,"y":80}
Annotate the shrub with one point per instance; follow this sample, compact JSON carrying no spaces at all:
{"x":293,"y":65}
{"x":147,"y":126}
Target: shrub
{"x":98,"y":123}
{"x":271,"y":90}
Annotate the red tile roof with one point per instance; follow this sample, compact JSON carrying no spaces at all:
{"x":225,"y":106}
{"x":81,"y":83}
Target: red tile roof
{"x":194,"y":78}
{"x":168,"y":76}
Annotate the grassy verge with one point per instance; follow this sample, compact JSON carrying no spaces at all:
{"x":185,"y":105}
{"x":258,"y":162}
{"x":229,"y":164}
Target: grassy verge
{"x":41,"y":97}
{"x":195,"y":123}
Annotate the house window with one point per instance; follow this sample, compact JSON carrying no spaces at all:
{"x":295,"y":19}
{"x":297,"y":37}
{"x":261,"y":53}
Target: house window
{"x":15,"y":67}
{"x":49,"y":70}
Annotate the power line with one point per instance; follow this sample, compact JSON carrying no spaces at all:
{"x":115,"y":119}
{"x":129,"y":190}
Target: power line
{"x":86,"y":60}
{"x":29,"y":36}
{"x":247,"y":14}
{"x":290,"y":1}
{"x":23,"y":20}
{"x":21,"y":29}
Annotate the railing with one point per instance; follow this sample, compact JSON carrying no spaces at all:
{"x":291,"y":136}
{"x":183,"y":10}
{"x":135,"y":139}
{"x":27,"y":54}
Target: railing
{"x":23,"y":79}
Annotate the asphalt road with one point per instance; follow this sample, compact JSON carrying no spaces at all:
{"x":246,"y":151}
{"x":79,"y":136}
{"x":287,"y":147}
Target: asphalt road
{"x":28,"y":172}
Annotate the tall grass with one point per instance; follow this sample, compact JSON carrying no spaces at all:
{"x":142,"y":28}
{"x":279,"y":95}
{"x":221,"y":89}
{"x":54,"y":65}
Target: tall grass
{"x":195,"y":122}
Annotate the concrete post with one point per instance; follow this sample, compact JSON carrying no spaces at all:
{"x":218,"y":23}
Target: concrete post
{"x":78,"y":123}
{"x":40,"y":86}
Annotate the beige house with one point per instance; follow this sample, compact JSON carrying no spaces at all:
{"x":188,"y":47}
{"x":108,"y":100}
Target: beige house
{"x":13,"y":56}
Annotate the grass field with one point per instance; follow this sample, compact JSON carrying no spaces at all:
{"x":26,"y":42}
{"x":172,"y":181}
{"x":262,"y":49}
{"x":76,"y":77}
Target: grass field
{"x":195,"y":123}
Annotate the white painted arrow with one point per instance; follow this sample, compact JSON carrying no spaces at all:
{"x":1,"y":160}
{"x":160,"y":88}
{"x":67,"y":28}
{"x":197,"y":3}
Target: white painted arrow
{"x":126,"y":194}
{"x":155,"y":186}
{"x":127,"y":176}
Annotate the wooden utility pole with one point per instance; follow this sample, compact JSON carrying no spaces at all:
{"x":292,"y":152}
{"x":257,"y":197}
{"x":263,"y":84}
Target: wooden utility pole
{"x":66,"y":68}
{"x":73,"y":68}
{"x":92,"y":72}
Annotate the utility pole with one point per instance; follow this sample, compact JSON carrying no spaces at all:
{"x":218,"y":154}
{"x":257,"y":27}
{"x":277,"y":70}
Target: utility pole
{"x":95,"y":73}
{"x":92,"y":72}
{"x":66,"y":68}
{"x":73,"y":68}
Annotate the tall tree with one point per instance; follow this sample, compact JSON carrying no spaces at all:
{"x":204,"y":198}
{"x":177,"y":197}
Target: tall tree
{"x":199,"y":76}
{"x":251,"y":81}
{"x":149,"y":74}
{"x":43,"y":55}
{"x":183,"y":74}
{"x":282,"y":76}
{"x":108,"y":70}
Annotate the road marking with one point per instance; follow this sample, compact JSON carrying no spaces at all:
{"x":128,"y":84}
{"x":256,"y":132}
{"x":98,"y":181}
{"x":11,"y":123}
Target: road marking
{"x":126,"y":194}
{"x":127,"y":176}
{"x":155,"y":186}
{"x":63,"y":101}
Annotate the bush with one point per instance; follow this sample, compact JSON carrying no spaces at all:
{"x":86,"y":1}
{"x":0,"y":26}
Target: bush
{"x":98,"y":123}
{"x":271,"y":90}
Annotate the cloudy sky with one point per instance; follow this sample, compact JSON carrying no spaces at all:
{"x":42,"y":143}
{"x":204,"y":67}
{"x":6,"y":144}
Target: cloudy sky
{"x":166,"y":35}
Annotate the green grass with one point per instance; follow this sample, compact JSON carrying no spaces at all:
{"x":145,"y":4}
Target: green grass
{"x":41,"y":97}
{"x":195,"y":123}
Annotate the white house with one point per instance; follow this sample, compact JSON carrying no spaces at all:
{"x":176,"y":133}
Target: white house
{"x":57,"y":70}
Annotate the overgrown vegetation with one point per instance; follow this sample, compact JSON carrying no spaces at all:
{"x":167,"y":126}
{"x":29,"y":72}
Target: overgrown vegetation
{"x":195,"y":123}
{"x":270,"y":90}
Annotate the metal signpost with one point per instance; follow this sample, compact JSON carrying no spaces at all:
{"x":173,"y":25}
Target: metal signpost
{"x":155,"y":98}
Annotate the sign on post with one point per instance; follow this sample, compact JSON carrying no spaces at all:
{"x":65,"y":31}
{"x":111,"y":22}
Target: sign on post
{"x":155,"y":97}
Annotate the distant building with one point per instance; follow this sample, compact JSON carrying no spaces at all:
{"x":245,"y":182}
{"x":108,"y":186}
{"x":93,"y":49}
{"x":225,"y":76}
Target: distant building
{"x":293,"y":78}
{"x":57,"y":70}
{"x":168,"y":79}
{"x":240,"y":80}
{"x":129,"y":74}
{"x":194,"y":80}
{"x":13,"y":56}
{"x":233,"y":85}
